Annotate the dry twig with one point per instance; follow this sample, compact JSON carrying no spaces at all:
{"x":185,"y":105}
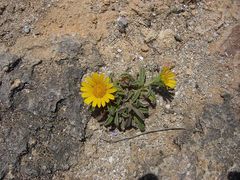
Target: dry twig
{"x":148,"y":132}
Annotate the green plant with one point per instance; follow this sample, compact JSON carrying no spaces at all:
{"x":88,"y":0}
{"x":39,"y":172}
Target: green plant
{"x":133,"y":97}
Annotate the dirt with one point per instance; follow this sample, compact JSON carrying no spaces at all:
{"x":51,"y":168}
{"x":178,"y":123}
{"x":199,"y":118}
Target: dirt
{"x":47,"y":46}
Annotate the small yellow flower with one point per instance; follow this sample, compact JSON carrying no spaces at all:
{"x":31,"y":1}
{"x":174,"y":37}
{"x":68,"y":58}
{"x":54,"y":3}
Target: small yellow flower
{"x":97,"y":89}
{"x":168,"y":77}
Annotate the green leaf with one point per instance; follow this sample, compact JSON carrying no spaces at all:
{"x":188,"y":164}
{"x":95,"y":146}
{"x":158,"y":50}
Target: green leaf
{"x":152,"y":99}
{"x":120,"y":93}
{"x":116,"y":120}
{"x":142,"y":103}
{"x":111,"y":110}
{"x":109,"y":120}
{"x":142,"y":77}
{"x":123,"y":125}
{"x":137,"y":112}
{"x":151,"y":96}
{"x":118,"y":101}
{"x":128,"y":123}
{"x":139,"y":123}
{"x":91,"y":109}
{"x":126,"y":75}
{"x":136,"y":95}
{"x":144,"y":110}
{"x":129,"y":95}
{"x":124,"y":114}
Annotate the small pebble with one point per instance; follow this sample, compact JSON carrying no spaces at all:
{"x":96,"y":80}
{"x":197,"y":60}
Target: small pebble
{"x":173,"y":119}
{"x":26,"y":29}
{"x":110,"y":159}
{"x":168,"y":106}
{"x":106,"y":2}
{"x":144,"y":48}
{"x":192,"y":6}
{"x":119,"y":50}
{"x":141,"y":58}
{"x":122,"y":24}
{"x":16,"y":84}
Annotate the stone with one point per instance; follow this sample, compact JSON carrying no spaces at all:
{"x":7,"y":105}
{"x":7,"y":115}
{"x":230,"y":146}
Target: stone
{"x":26,"y":29}
{"x":69,"y":47}
{"x":75,"y":50}
{"x":216,"y":145}
{"x":42,"y":116}
{"x":166,"y":39}
{"x":229,"y":44}
{"x":122,"y":24}
{"x":2,"y":9}
{"x":8,"y":62}
{"x":16,"y":83}
{"x":144,"y":48}
{"x":150,"y":35}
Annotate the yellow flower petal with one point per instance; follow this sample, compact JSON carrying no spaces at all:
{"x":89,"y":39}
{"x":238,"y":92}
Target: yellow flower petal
{"x":107,"y":80}
{"x":112,"y":90}
{"x":106,"y":99}
{"x":89,"y":81}
{"x":110,"y":96}
{"x":86,"y":94}
{"x":103,"y":103}
{"x":94,"y":103}
{"x":168,"y":77}
{"x":101,"y":76}
{"x":85,"y":89}
{"x":109,"y":85}
{"x":99,"y":102}
{"x":85,"y":84}
{"x":95,"y":77}
{"x":97,"y":90}
{"x":88,"y":100}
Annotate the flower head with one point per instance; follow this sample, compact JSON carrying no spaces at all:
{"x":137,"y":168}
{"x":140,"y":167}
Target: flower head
{"x":97,"y":89}
{"x":168,"y":77}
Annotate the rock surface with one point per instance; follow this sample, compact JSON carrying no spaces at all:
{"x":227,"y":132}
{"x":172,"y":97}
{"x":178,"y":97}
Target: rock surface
{"x":47,"y":46}
{"x":42,"y":116}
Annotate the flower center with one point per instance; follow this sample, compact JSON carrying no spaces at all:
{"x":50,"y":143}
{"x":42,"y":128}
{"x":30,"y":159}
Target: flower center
{"x":99,"y":90}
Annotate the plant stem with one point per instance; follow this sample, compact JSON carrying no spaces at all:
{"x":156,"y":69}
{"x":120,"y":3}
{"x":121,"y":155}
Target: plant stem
{"x":148,"y":132}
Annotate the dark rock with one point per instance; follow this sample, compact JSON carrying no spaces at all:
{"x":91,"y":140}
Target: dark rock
{"x":42,"y":117}
{"x":122,"y":24}
{"x":26,"y":29}
{"x":15,"y":140}
{"x":15,"y":79}
{"x":8,"y":62}
{"x":233,"y":175}
{"x":73,"y":51}
{"x":69,"y":47}
{"x":41,"y":102}
{"x":178,"y":38}
{"x":148,"y":176}
{"x":219,"y":140}
{"x":60,"y":106}
{"x":2,"y":9}
{"x":229,"y":44}
{"x":232,"y":45}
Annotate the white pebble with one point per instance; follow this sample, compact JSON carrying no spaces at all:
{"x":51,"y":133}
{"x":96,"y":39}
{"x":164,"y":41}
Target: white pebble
{"x":119,"y":50}
{"x":110,"y":159}
{"x":168,"y":106}
{"x":141,"y":58}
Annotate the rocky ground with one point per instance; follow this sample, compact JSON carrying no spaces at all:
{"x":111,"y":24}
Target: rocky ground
{"x":47,"y":46}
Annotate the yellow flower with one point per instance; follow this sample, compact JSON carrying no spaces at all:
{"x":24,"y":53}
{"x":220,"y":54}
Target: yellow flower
{"x":97,"y":89}
{"x":168,"y":77}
